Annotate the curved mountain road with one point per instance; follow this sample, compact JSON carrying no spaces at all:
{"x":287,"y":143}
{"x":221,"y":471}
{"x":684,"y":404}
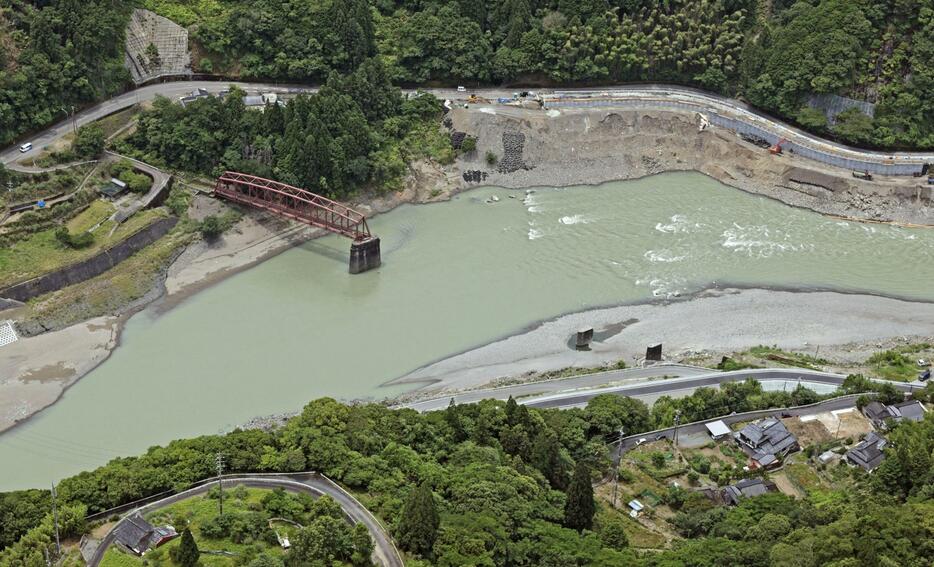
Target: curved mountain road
{"x":671,"y":93}
{"x":384,"y":551}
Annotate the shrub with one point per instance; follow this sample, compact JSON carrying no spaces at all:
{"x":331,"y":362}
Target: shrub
{"x":76,"y":241}
{"x":469,"y":144}
{"x":89,"y":142}
{"x":491,"y":159}
{"x":211,"y":228}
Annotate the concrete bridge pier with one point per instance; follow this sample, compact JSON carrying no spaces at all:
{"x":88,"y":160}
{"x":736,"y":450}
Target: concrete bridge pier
{"x":364,"y":255}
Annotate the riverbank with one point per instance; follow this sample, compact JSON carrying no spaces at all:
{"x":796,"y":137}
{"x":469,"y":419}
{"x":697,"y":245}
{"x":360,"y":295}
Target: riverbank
{"x":36,"y":371}
{"x":563,"y":149}
{"x":592,"y":146}
{"x":840,"y":327}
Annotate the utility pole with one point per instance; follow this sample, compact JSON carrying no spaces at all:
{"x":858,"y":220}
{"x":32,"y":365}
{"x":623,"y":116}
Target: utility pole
{"x":619,"y":457}
{"x":677,"y":423}
{"x":58,"y":543}
{"x":219,"y":461}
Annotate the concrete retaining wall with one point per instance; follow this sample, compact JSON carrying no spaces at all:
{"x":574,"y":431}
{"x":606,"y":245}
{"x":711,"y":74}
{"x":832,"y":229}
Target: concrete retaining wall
{"x":91,"y":267}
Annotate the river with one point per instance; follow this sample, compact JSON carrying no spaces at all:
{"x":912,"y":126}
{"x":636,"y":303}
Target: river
{"x":454,"y":276}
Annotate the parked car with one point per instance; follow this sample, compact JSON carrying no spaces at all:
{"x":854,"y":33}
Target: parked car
{"x":25,"y":147}
{"x":923,"y":363}
{"x":640,"y":441}
{"x":461,"y":89}
{"x":924,"y":376}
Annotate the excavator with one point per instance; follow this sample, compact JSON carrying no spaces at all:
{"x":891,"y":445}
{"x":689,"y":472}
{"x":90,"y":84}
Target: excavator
{"x":776,"y":150}
{"x":474,"y":99}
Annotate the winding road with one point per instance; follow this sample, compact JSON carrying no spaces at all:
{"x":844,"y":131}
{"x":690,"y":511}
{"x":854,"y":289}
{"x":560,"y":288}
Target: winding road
{"x":674,"y":96}
{"x":634,"y":382}
{"x":384,"y":551}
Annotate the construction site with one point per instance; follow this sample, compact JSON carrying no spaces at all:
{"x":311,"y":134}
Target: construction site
{"x":591,"y":145}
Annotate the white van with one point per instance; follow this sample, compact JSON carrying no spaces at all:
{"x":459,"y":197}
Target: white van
{"x":25,"y":147}
{"x":461,"y":89}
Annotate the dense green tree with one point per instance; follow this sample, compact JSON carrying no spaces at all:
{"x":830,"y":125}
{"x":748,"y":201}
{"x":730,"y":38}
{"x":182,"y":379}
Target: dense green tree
{"x":547,"y":458}
{"x":608,"y":413}
{"x":187,"y":553}
{"x":362,"y":546}
{"x":580,"y":506}
{"x":613,"y":532}
{"x":325,"y":541}
{"x":89,"y":142}
{"x":418,"y":526}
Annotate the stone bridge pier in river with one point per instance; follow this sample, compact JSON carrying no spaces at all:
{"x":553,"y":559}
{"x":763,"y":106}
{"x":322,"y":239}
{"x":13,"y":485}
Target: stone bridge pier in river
{"x":307,"y":207}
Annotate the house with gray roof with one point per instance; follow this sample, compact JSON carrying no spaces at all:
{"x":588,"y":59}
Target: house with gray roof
{"x":746,"y":488}
{"x":766,"y":441}
{"x":869,"y":452}
{"x":879,"y":413}
{"x":139,"y":536}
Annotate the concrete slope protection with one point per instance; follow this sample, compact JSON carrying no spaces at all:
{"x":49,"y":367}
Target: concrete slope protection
{"x":670,"y":93}
{"x":384,"y":550}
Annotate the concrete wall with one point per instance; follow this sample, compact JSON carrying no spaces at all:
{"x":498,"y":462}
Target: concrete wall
{"x":91,"y":267}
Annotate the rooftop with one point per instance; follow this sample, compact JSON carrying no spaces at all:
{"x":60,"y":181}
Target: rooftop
{"x":869,"y":452}
{"x":764,"y":441}
{"x":718,"y":428}
{"x":879,"y":413}
{"x":134,"y":532}
{"x":746,"y":488}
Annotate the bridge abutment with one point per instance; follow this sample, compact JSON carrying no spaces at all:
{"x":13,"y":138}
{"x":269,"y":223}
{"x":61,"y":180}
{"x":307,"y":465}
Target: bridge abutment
{"x":364,"y":255}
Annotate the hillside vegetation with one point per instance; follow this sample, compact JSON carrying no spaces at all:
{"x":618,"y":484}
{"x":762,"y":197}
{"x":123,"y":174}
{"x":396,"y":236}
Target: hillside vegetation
{"x":55,"y":56}
{"x":499,"y":484}
{"x":773,"y":53}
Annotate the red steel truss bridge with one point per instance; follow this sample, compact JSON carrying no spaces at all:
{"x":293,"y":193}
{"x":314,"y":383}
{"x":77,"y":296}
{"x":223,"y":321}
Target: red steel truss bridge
{"x":307,"y":207}
{"x":292,"y":202}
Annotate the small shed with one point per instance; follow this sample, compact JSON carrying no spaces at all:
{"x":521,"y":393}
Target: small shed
{"x":718,"y":429}
{"x":635,"y":507}
{"x":114,"y":188}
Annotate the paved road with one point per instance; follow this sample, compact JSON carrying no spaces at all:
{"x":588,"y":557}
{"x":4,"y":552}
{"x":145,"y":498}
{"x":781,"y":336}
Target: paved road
{"x":575,"y":383}
{"x":567,"y":393}
{"x":384,"y":552}
{"x":177,"y":89}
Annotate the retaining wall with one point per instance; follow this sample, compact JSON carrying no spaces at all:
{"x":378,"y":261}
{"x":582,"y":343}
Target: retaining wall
{"x":91,"y":267}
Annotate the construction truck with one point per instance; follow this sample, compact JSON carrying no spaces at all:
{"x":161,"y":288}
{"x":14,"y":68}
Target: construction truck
{"x":474,"y":99}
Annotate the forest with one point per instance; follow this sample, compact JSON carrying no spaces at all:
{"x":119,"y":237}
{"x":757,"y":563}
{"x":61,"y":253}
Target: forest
{"x":500,"y":484}
{"x":776,"y":54}
{"x":57,"y":57}
{"x":356,"y":131}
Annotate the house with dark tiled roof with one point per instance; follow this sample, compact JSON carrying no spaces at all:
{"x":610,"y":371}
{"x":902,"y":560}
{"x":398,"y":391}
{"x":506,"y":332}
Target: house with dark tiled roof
{"x":869,"y":452}
{"x":746,"y":488}
{"x":766,"y":441}
{"x":879,"y":413}
{"x":139,"y":536}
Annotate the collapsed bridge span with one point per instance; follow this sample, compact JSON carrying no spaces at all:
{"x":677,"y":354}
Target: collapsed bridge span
{"x":306,"y":207}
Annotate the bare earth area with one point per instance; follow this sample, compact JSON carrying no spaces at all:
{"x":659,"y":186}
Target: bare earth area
{"x":34,"y":372}
{"x":725,"y":321}
{"x":557,"y":148}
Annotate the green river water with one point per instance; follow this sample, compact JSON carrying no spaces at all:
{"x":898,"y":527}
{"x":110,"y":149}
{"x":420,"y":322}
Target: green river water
{"x":454,"y":276}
